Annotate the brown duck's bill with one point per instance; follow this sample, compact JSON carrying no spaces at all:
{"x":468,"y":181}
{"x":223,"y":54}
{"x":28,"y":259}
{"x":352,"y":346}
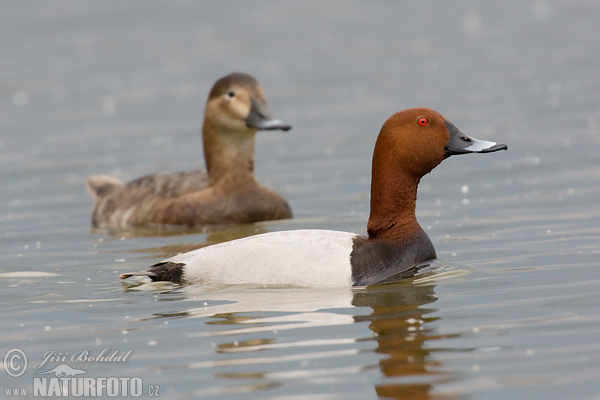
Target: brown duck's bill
{"x":260,"y":118}
{"x":461,"y":143}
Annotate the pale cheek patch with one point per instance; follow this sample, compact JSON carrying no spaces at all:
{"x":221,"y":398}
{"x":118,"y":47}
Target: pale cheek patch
{"x":240,"y":108}
{"x":479,"y":145}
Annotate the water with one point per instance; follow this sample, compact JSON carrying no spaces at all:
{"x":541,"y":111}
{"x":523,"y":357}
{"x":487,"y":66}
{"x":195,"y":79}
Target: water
{"x":119,"y":87}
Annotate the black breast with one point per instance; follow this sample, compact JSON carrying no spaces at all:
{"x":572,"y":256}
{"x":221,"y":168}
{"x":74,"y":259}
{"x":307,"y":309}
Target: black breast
{"x":382,"y":261}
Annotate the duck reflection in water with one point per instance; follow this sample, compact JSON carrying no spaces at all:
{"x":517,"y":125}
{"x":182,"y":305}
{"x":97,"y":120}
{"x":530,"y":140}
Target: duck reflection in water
{"x":400,"y":322}
{"x":214,"y":235}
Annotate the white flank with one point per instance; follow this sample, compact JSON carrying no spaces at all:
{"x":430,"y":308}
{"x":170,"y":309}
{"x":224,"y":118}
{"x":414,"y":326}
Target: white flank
{"x":309,"y":258}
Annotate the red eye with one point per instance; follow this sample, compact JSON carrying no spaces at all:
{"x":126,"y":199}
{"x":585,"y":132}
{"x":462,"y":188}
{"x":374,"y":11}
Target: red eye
{"x":422,"y":121}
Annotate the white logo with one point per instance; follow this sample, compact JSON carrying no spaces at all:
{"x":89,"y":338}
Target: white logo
{"x":64,"y":380}
{"x":15,"y":362}
{"x":63,"y":371}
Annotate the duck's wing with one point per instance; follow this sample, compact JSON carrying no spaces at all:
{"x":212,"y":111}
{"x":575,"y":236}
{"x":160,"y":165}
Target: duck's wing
{"x":120,"y":205}
{"x":170,"y":185}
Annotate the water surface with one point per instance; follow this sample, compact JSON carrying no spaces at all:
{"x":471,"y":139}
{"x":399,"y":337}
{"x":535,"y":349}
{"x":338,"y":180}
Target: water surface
{"x":119,"y":87}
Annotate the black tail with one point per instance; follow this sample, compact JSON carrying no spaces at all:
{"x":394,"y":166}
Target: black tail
{"x":163,"y":271}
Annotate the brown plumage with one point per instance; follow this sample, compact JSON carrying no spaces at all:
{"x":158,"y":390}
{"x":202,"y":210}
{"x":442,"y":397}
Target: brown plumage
{"x":228,"y":193}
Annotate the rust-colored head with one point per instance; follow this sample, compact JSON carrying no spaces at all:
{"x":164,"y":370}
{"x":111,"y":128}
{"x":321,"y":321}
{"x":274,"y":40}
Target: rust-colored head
{"x":412,"y":141}
{"x":410,"y":144}
{"x":418,"y":139}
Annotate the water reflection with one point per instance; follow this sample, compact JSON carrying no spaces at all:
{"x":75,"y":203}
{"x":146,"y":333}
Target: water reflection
{"x":214,"y":235}
{"x":227,"y":231}
{"x":247,"y":309}
{"x":252,"y":319}
{"x":401,"y":327}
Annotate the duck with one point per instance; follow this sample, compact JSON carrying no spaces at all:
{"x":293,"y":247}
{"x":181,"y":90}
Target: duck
{"x":410,"y":144}
{"x":227,"y":193}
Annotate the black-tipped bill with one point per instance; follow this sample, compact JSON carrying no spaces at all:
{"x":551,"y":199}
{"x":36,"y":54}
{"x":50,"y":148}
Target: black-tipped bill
{"x":461,"y":143}
{"x":261,"y":119}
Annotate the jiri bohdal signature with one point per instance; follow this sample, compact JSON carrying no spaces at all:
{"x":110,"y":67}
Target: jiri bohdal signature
{"x":105,"y":356}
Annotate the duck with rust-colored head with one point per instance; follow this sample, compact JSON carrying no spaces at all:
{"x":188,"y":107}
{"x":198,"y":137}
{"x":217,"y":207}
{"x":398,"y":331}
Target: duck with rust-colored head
{"x":227,"y":193}
{"x":410,"y":144}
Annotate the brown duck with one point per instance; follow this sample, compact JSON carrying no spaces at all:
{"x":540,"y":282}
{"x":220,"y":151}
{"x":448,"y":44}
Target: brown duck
{"x":227,"y":193}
